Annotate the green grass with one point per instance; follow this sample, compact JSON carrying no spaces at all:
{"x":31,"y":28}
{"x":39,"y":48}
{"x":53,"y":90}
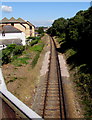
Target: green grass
{"x":37,"y":48}
{"x":20,"y":61}
{"x":34,"y":62}
{"x":33,"y":42}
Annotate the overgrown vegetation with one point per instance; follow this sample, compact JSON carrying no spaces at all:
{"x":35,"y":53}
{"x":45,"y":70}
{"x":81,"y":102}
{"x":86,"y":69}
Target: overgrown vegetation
{"x":38,"y":48}
{"x":11,"y":52}
{"x":40,"y":30}
{"x":75,"y":38}
{"x":21,"y":60}
{"x":20,"y":55}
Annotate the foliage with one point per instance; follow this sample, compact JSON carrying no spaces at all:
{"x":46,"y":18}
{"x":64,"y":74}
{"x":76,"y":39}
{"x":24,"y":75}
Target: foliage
{"x":33,"y":38}
{"x":10,"y":52}
{"x":33,"y":42}
{"x":58,"y":27}
{"x":77,"y":34}
{"x":40,"y":30}
{"x":21,"y":60}
{"x":35,"y":59}
{"x":18,"y":50}
{"x":38,"y":48}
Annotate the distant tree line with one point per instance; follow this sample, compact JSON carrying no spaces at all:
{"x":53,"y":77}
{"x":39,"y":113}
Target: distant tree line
{"x":40,"y":30}
{"x":76,"y":35}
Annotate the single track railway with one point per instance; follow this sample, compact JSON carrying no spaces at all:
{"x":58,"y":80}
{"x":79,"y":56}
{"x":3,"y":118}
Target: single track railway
{"x":53,"y":100}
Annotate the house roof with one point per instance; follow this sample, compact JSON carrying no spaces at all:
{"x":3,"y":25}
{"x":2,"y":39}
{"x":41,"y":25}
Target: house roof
{"x":13,"y":20}
{"x":10,"y":29}
{"x":30,"y":23}
{"x":20,"y":20}
{"x":4,"y":20}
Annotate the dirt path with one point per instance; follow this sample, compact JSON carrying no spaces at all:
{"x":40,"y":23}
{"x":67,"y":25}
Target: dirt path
{"x":73,"y":108}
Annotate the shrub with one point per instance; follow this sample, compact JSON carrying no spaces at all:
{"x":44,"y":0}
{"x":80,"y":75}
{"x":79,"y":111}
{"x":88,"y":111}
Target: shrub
{"x":11,"y":46}
{"x":33,"y":42}
{"x":6,"y":58}
{"x":18,"y":50}
{"x":10,"y":53}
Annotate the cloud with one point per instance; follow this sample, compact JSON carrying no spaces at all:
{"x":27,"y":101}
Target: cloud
{"x":5,"y":8}
{"x":43,"y":22}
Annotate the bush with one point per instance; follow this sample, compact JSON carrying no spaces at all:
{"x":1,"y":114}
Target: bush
{"x":6,"y":57}
{"x":33,"y":42}
{"x":18,"y":50}
{"x":9,"y":53}
{"x":33,"y":38}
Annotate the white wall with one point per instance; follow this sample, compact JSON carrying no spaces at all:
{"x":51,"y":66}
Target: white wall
{"x":14,"y":36}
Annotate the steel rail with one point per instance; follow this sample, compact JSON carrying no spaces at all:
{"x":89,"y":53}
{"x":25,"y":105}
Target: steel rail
{"x":60,"y":88}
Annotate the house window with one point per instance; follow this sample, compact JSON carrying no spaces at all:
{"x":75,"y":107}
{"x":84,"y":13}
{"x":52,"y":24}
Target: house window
{"x":3,"y":33}
{"x":30,"y":27}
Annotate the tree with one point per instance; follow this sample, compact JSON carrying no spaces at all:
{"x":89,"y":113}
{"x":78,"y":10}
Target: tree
{"x":40,"y":30}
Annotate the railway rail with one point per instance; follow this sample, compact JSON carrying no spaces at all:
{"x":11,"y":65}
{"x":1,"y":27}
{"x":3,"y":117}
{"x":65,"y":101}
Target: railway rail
{"x":53,"y":106}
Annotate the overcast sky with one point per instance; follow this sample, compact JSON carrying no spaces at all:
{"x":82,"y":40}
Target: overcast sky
{"x":42,"y":13}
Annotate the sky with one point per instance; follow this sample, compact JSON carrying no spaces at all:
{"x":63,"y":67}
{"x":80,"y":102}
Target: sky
{"x":42,"y":13}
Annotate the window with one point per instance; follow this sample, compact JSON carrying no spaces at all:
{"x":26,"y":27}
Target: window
{"x":30,"y":27}
{"x":12,"y":24}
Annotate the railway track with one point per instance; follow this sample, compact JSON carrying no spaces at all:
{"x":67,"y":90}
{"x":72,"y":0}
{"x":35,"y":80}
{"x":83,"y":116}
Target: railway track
{"x":53,"y":106}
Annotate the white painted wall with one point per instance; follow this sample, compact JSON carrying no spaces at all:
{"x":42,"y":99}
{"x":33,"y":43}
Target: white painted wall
{"x":14,"y":36}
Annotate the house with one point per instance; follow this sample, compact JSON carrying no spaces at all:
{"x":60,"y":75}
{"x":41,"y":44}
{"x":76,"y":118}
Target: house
{"x":22,"y":25}
{"x":11,"y":35}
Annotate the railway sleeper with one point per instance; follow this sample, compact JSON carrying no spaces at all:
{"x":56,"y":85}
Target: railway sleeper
{"x":52,"y":95}
{"x":52,"y":115}
{"x":49,"y":106}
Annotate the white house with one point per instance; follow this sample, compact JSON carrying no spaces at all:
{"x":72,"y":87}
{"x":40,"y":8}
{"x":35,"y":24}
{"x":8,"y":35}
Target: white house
{"x":9,"y":34}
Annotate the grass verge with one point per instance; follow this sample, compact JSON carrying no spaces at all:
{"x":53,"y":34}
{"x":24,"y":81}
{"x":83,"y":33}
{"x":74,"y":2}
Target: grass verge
{"x":38,"y":48}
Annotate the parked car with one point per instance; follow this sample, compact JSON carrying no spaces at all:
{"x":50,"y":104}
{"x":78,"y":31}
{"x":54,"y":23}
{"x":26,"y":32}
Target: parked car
{"x":2,"y":47}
